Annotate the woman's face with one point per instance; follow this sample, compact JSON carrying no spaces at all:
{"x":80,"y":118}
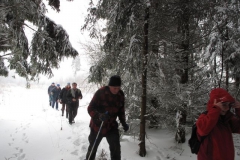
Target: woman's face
{"x":226,"y":106}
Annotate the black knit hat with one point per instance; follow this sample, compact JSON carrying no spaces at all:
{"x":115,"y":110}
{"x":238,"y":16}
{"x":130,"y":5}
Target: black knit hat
{"x":114,"y":81}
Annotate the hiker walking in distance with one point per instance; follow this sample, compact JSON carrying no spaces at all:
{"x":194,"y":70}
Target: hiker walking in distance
{"x":73,"y":96}
{"x":55,"y":95}
{"x":50,"y":88}
{"x":106,"y":105}
{"x":217,"y":126}
{"x":63,"y":99}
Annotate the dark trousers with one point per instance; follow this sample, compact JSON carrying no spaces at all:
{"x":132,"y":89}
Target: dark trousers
{"x":53,"y":103}
{"x":50,"y":99}
{"x":63,"y":108}
{"x":73,"y":108}
{"x":113,"y":140}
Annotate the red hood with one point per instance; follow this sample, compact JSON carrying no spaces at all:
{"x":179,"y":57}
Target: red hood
{"x":220,"y":95}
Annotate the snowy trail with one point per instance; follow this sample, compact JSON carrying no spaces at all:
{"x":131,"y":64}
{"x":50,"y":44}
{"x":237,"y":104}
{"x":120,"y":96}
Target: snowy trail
{"x":32,"y":129}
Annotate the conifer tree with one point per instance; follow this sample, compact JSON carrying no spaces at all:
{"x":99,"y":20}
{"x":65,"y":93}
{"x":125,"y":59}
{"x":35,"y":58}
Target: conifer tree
{"x":50,"y":42}
{"x":181,"y":52}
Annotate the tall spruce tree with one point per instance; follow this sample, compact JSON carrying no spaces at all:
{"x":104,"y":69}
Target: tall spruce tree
{"x":124,"y":21}
{"x":221,"y":49}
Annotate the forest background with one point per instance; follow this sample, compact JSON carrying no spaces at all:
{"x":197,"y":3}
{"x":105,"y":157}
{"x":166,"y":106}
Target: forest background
{"x":169,"y":53}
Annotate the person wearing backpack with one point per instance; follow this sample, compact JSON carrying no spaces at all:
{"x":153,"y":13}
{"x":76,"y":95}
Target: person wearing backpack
{"x":73,"y":96}
{"x":217,"y":126}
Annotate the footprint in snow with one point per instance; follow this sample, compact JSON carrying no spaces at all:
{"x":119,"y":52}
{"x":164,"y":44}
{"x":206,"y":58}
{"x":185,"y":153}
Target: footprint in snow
{"x":25,"y":138}
{"x":84,"y":147}
{"x":21,"y":150}
{"x":76,"y":142}
{"x":158,"y":158}
{"x":21,"y":157}
{"x":161,"y":155}
{"x":75,"y":152}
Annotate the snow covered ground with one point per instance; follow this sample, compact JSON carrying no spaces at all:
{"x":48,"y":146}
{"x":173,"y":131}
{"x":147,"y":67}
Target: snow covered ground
{"x":32,"y":130}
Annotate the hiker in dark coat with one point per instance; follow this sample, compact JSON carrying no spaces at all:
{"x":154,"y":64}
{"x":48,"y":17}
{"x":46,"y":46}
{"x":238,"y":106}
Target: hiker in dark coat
{"x":50,"y":88}
{"x":55,"y":94}
{"x":218,"y":125}
{"x":63,"y":99}
{"x":106,"y":105}
{"x":73,"y":96}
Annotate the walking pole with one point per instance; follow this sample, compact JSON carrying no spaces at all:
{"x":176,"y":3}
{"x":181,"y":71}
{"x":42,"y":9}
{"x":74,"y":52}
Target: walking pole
{"x":95,"y":140}
{"x":61,"y":123}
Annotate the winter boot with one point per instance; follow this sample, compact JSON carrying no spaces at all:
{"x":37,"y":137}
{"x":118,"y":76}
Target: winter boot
{"x":66,"y":114}
{"x":62,"y":113}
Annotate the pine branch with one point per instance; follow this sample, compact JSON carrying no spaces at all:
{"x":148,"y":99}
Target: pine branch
{"x":29,"y":27}
{"x":6,"y":54}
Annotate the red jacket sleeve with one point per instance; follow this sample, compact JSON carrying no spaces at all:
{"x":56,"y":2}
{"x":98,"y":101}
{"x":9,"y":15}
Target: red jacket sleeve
{"x":206,"y":122}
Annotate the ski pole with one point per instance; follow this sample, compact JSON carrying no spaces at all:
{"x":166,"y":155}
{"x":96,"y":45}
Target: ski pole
{"x":95,"y":140}
{"x":61,"y":123}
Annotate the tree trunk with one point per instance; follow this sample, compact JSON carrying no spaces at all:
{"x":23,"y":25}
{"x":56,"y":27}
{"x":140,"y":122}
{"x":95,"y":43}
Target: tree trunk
{"x":184,"y":60}
{"x":181,"y":121}
{"x":237,"y":79}
{"x":227,"y":76}
{"x":227,"y":62}
{"x":142,"y":150}
{"x":215,"y":72}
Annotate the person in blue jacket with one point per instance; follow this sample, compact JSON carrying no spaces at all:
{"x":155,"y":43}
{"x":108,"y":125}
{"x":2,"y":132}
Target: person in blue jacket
{"x":50,"y":88}
{"x":55,"y":94}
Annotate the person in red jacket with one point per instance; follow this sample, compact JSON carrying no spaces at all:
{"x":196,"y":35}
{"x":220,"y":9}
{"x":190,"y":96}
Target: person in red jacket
{"x":218,"y":125}
{"x":106,"y":105}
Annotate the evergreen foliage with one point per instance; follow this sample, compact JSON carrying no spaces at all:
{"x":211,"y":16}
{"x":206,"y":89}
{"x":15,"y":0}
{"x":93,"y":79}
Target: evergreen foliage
{"x":49,"y":45}
{"x":193,"y":47}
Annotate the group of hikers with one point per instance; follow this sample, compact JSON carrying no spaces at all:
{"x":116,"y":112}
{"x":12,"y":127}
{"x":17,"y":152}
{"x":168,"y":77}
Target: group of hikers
{"x":68,"y":97}
{"x":216,"y":125}
{"x":105,"y":107}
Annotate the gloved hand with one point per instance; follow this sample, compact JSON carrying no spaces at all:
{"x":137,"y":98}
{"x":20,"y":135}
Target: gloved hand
{"x":60,"y":101}
{"x":104,"y":116}
{"x":125,"y":127}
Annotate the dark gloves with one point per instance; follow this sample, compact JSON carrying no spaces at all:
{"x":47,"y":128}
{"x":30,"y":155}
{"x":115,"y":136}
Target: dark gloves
{"x":104,"y":116}
{"x":125,"y":127}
